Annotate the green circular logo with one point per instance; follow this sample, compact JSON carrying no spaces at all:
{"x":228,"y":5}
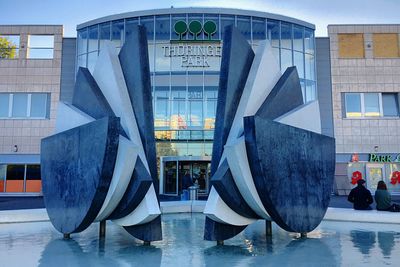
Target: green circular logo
{"x":180,"y":28}
{"x":210,"y":28}
{"x":195,"y":28}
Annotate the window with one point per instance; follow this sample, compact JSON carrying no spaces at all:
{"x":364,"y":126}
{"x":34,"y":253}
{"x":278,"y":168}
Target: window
{"x":386,"y":45}
{"x":40,"y":46}
{"x":9,"y":46}
{"x":371,"y":104}
{"x":351,"y":45}
{"x":19,"y":178}
{"x":20,"y":105}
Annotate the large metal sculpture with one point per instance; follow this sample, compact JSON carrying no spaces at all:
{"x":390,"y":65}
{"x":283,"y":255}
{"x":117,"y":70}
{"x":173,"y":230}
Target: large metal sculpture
{"x":101,"y":163}
{"x":270,"y":160}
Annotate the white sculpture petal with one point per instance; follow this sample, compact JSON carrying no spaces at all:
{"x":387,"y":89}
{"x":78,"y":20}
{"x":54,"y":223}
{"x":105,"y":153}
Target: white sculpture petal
{"x":69,"y":117}
{"x":217,"y":210}
{"x":147,"y":211}
{"x":110,"y":79}
{"x":239,"y":165}
{"x":124,"y":165}
{"x":306,"y":117}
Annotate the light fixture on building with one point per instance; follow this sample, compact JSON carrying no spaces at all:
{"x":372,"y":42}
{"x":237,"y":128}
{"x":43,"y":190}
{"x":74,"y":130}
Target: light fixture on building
{"x":376,"y":148}
{"x":15,"y":148}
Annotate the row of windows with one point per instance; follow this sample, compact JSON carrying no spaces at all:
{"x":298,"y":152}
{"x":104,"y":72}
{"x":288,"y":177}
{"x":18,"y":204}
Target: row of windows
{"x":371,"y":105}
{"x":20,"y":178}
{"x":39,"y":46}
{"x":22,"y":105}
{"x":384,"y":45}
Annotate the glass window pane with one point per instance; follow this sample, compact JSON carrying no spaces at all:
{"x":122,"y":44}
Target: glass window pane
{"x":299,"y":63}
{"x":82,"y":60}
{"x":92,"y":58}
{"x":225,"y":21}
{"x":259,"y":29}
{"x":286,"y":59}
{"x":117,"y":32}
{"x":310,"y":70}
{"x":44,"y":53}
{"x":105,"y":32}
{"x":148,"y":22}
{"x":33,"y":178}
{"x":82,"y":41}
{"x":15,"y":178}
{"x":309,"y":41}
{"x":41,"y":41}
{"x":353,"y":104}
{"x":9,"y":46}
{"x":210,"y":109}
{"x":162,"y":28}
{"x":178,"y":107}
{"x":20,"y":104}
{"x":161,"y":98}
{"x":390,"y":105}
{"x":4,"y":100}
{"x":130,"y":24}
{"x":310,"y":91}
{"x":371,"y":104}
{"x":3,"y":169}
{"x":273,"y":32}
{"x":195,"y":96}
{"x":213,"y":18}
{"x":93,"y":38}
{"x":39,"y":105}
{"x":244,"y":26}
{"x":298,"y":38}
{"x":286,"y":35}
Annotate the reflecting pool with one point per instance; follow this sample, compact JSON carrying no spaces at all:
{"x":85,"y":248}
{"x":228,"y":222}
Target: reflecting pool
{"x":331,"y":244}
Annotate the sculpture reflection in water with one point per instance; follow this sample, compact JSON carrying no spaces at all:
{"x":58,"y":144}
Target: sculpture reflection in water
{"x":101,"y":163}
{"x":270,"y":160}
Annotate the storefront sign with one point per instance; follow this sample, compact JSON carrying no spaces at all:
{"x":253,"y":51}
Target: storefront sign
{"x":383,"y":158}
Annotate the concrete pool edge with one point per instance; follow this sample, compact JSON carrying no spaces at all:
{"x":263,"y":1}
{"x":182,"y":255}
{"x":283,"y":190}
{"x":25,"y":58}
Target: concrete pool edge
{"x":197,"y":206}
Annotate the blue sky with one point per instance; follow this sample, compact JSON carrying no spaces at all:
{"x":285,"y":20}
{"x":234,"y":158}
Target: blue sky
{"x":319,"y":12}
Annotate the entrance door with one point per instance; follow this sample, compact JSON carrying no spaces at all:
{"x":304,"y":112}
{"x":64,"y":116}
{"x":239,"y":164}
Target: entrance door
{"x":374,"y":174}
{"x":170,"y":179}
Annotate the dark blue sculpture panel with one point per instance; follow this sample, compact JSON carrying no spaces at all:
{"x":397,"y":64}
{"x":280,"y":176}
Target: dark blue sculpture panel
{"x":147,"y":232}
{"x":293,"y":180}
{"x":134,"y":194}
{"x":77,"y":166}
{"x":215,"y":231}
{"x":223,"y":182}
{"x":237,"y":57}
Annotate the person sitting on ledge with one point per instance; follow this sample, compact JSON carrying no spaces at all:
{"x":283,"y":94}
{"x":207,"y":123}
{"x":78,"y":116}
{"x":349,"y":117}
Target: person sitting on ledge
{"x":360,"y":196}
{"x":384,"y":200}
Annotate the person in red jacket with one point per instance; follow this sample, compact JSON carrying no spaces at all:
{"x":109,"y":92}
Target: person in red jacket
{"x":360,"y":196}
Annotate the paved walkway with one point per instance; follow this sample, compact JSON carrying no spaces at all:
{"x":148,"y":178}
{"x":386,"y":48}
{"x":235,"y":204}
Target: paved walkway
{"x":16,"y":203}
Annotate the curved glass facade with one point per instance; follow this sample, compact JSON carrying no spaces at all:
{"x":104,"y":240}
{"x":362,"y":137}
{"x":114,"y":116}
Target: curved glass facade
{"x":185,"y":67}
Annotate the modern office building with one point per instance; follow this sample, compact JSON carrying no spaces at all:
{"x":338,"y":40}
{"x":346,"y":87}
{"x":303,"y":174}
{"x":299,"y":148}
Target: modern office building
{"x":30,"y":71}
{"x":365,"y":74}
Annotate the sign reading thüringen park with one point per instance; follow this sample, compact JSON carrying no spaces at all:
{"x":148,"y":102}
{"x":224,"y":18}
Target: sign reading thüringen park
{"x":191,"y":51}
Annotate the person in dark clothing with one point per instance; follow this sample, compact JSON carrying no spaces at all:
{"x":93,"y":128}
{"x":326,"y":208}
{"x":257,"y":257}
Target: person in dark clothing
{"x":384,"y":200}
{"x":360,"y":196}
{"x":186,"y":181}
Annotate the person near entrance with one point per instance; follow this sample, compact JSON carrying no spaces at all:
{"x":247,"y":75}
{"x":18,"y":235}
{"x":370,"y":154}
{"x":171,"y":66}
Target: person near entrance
{"x":360,"y":196}
{"x":186,"y":181}
{"x":384,"y":200}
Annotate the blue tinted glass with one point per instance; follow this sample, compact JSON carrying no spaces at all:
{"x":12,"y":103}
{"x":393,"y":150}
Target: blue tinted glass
{"x":371,"y":104}
{"x":286,"y":59}
{"x":148,"y":22}
{"x":161,"y":118}
{"x":286,"y":35}
{"x":213,"y":18}
{"x":298,"y":38}
{"x":299,"y":63}
{"x":178,"y":107}
{"x":309,"y":41}
{"x":273,"y":32}
{"x":104,"y":33}
{"x":45,"y":53}
{"x":175,"y":19}
{"x":244,"y":26}
{"x":226,"y":21}
{"x":390,"y":104}
{"x":310,"y":91}
{"x":117,"y":32}
{"x":199,"y":18}
{"x":130,"y":24}
{"x":210,"y":107}
{"x":259,"y":29}
{"x":39,"y":105}
{"x":195,"y":96}
{"x":82,"y":41}
{"x":353,"y":102}
{"x":162,"y":28}
{"x":93,"y":38}
{"x":4,"y":105}
{"x":20,"y":105}
{"x":310,"y":70}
